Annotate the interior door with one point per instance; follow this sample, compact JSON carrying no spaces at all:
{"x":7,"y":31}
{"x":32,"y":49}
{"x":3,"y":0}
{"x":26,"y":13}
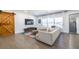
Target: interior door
{"x":6,"y":23}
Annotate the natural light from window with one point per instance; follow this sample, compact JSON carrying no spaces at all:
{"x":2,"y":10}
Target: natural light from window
{"x":48,"y":22}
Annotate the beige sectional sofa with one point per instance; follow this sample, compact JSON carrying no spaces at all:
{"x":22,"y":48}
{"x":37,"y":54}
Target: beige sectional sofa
{"x":48,"y":36}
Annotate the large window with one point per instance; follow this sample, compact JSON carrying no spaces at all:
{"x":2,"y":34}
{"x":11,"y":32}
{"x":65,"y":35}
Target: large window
{"x":45,"y":22}
{"x":59,"y":22}
{"x":48,"y":22}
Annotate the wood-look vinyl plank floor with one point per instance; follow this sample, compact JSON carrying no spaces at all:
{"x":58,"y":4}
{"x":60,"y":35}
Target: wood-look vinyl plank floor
{"x":21,"y":41}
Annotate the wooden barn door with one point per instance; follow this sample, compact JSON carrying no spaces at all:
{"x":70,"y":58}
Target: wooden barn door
{"x":6,"y":24}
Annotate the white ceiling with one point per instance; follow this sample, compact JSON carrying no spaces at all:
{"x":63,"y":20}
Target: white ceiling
{"x":37,"y":12}
{"x":41,"y":12}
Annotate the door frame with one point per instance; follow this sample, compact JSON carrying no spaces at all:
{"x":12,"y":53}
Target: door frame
{"x":69,"y":23}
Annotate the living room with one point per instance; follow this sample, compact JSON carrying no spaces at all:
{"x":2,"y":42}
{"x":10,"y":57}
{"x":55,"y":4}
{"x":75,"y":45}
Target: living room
{"x":63,"y":15}
{"x":39,"y":29}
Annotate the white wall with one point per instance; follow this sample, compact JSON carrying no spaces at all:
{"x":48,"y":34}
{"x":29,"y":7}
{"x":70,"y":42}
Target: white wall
{"x":20,"y":21}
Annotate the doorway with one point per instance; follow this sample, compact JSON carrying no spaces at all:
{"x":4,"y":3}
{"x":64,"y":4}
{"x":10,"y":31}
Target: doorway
{"x":72,"y":24}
